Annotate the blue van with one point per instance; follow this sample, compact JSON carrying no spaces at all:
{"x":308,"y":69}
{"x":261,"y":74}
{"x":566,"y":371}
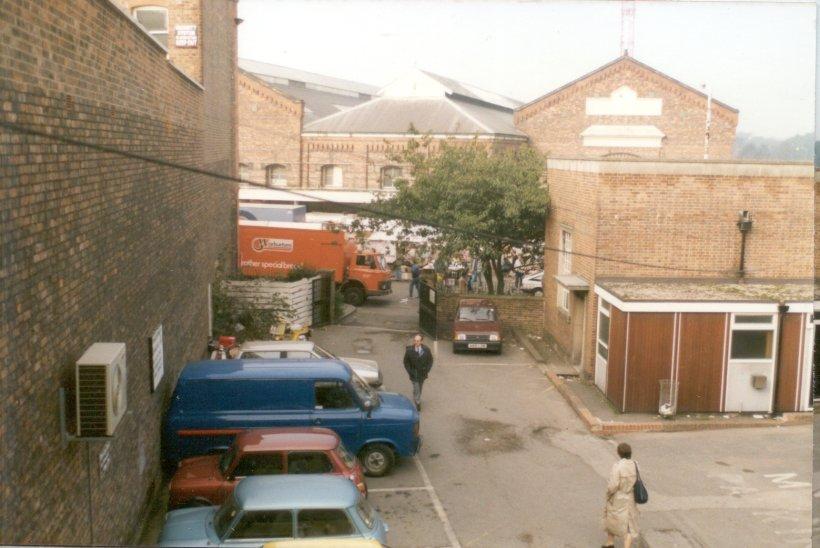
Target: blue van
{"x":215,"y":399}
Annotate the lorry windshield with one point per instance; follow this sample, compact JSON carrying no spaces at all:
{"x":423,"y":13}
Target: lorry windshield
{"x":371,"y":261}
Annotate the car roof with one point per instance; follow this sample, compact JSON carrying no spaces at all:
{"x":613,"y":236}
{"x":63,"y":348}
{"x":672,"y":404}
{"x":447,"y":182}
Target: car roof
{"x":265,"y":369}
{"x":276,"y":345}
{"x":476,"y":302}
{"x":287,"y":439}
{"x":295,"y":491}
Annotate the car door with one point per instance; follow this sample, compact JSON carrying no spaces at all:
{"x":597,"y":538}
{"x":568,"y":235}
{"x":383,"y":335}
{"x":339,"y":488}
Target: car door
{"x":337,"y":409}
{"x":253,"y":464}
{"x":324,"y":522}
{"x":256,"y":527}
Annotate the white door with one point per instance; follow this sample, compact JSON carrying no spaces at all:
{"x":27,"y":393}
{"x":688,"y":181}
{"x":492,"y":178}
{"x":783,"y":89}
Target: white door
{"x":600,"y":373}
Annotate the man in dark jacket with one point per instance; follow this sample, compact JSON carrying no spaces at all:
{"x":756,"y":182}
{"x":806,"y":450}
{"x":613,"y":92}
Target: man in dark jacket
{"x":418,"y":360}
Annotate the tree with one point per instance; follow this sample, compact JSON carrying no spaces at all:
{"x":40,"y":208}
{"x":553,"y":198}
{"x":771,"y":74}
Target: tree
{"x":474,"y":197}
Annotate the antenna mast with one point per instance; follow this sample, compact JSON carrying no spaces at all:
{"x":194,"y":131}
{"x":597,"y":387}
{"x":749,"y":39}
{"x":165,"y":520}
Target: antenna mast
{"x":627,"y":27}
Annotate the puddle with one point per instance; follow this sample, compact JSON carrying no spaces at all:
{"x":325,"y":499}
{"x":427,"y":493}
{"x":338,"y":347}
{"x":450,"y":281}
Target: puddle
{"x":481,"y":437}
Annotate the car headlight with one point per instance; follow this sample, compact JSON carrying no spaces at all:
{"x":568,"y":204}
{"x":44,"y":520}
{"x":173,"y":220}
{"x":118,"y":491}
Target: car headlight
{"x":495,"y":337}
{"x":461,"y":337}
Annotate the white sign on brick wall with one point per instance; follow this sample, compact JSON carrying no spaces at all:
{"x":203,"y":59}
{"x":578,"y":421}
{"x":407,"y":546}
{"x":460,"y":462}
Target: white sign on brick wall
{"x":157,"y":358}
{"x":185,"y":36}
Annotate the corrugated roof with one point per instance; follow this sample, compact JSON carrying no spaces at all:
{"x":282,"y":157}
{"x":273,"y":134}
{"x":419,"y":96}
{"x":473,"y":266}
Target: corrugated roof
{"x":438,"y":116}
{"x":278,"y":71}
{"x":474,"y":92}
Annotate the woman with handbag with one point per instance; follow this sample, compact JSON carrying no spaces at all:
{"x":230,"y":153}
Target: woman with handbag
{"x":621,"y":512}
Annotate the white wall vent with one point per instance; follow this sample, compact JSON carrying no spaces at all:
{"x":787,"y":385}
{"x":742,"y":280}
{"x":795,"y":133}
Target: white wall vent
{"x":101,"y":389}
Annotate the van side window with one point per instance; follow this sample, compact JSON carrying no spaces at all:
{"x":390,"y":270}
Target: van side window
{"x":333,"y":395}
{"x":266,"y":524}
{"x":257,"y":464}
{"x":324,"y":523}
{"x":309,"y":462}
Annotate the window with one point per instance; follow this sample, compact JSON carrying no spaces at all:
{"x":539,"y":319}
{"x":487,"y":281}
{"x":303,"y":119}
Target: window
{"x":476,"y":314}
{"x":225,"y":516}
{"x":347,"y":458}
{"x":309,"y":462}
{"x":565,"y":256}
{"x":332,"y":176}
{"x":562,"y":298}
{"x":275,"y":175}
{"x":333,"y":395}
{"x":264,"y":524}
{"x":365,"y":512}
{"x":752,"y":337}
{"x":389,"y":175}
{"x":324,"y":523}
{"x":603,"y":329}
{"x":259,"y":464}
{"x":261,"y":355}
{"x":155,"y":21}
{"x":299,"y":355}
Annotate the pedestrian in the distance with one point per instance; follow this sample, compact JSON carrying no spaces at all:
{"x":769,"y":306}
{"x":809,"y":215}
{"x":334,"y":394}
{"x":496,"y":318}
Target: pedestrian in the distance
{"x":418,"y":360}
{"x":415,"y":278}
{"x":621,"y":512}
{"x":518,"y":269}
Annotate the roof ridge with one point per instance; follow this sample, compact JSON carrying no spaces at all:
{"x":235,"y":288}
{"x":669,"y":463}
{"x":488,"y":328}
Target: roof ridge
{"x":345,"y":111}
{"x":475,"y":120}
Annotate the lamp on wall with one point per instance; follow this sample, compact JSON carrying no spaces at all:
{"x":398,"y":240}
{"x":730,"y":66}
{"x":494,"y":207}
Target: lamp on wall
{"x":744,"y":224}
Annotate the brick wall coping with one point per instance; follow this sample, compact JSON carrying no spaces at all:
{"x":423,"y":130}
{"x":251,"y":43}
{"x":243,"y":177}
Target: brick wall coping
{"x":461,"y":136}
{"x":733,"y":168}
{"x":153,"y":41}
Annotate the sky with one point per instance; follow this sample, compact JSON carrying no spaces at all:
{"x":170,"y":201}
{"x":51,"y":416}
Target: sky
{"x":758,"y":57}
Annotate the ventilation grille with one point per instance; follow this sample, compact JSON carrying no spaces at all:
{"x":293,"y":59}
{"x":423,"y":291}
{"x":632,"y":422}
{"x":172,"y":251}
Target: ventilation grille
{"x":92,"y":395}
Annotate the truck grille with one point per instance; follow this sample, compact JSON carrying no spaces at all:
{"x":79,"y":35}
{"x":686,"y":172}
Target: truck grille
{"x":478,"y":337}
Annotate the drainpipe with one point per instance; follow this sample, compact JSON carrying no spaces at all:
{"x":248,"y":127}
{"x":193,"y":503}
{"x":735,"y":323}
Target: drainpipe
{"x":782,"y":308}
{"x":744,"y":224}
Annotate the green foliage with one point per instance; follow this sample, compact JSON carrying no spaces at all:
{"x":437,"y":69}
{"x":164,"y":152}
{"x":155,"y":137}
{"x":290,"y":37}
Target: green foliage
{"x":245,"y":321}
{"x":299,"y":272}
{"x":476,"y":197}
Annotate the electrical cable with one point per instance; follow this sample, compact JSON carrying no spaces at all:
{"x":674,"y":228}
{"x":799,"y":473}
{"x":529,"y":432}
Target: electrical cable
{"x":358,"y":208}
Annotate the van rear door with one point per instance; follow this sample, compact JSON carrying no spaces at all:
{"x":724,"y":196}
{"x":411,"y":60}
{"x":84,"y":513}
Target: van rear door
{"x":337,"y":409}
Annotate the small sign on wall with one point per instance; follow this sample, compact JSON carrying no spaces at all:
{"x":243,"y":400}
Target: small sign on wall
{"x":104,"y":458}
{"x":185,"y":36}
{"x":157,"y":358}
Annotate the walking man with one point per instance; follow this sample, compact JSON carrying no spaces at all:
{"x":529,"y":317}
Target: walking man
{"x":418,"y":360}
{"x":415,"y":278}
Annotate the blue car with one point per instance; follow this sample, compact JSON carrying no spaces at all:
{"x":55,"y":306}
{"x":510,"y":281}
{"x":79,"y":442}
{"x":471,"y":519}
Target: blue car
{"x":214,"y":400}
{"x":268,"y":508}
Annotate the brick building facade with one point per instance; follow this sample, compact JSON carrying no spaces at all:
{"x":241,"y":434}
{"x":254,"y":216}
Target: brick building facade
{"x":628,"y":109}
{"x":683,"y":217}
{"x":98,"y":247}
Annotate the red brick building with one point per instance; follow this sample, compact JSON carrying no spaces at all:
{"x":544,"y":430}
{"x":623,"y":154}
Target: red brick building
{"x":102,"y":248}
{"x":667,"y":285}
{"x":628,"y":109}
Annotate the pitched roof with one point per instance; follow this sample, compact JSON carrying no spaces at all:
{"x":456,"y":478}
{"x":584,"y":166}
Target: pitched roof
{"x":435,"y":115}
{"x":475,"y":93}
{"x":621,"y":59}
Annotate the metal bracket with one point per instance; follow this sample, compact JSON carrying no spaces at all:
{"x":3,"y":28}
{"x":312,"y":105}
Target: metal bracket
{"x":67,"y":437}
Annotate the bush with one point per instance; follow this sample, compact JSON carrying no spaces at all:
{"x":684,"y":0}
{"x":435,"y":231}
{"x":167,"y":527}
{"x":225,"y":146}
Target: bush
{"x":245,"y":321}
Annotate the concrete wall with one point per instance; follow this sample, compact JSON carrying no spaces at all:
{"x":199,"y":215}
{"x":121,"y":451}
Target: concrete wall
{"x":98,"y":247}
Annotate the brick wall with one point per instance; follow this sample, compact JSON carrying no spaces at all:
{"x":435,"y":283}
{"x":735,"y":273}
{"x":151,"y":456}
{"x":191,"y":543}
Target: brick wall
{"x":554,"y":123}
{"x":523,"y":312}
{"x":101,"y":248}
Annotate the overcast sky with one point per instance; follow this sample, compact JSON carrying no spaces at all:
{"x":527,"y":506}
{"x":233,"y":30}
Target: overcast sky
{"x":758,"y":57}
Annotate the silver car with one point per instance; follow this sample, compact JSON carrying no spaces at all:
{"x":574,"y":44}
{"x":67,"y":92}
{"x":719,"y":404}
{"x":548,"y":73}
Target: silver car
{"x":367,"y":370}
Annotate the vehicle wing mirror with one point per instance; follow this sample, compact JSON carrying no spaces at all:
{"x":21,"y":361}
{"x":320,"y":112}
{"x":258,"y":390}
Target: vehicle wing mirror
{"x":368,"y":405}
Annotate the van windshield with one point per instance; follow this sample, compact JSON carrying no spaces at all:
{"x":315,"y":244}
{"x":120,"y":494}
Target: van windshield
{"x":363,"y":390}
{"x":476,"y":314}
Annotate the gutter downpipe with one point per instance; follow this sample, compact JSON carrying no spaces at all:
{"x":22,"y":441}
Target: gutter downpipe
{"x":782,"y":309}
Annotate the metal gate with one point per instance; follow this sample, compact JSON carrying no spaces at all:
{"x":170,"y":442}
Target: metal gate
{"x":322,"y":299}
{"x":427,"y":309}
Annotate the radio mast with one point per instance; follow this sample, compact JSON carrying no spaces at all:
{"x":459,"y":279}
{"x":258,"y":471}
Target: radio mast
{"x":627,"y":27}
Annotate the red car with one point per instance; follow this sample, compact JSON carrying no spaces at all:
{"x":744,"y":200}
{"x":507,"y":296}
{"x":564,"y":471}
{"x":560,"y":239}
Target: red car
{"x":208,"y":480}
{"x":476,"y":326}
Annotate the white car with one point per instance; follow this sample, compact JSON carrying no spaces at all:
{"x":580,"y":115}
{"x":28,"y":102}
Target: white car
{"x":367,"y":370}
{"x":533,"y":283}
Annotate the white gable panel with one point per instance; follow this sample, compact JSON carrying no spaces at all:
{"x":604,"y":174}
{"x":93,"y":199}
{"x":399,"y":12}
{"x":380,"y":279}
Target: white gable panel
{"x":624,"y":101}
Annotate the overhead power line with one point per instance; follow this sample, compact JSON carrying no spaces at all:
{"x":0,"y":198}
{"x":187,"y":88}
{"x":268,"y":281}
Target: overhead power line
{"x":18,"y":128}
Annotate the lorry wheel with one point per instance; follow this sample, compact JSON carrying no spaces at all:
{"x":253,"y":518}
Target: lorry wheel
{"x":377,"y":459}
{"x":354,"y":296}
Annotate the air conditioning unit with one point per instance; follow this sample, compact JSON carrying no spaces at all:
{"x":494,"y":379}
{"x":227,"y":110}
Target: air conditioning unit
{"x":101,"y":389}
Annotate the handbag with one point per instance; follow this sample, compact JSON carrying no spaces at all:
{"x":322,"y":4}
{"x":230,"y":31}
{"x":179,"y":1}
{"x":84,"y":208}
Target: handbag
{"x":639,"y":489}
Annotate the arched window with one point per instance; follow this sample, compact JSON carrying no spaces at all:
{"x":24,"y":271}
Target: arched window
{"x":389,"y":175}
{"x":155,"y":21}
{"x":275,"y":175}
{"x":332,"y":176}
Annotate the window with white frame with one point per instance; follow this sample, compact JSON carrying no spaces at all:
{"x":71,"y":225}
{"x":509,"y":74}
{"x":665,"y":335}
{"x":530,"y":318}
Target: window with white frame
{"x":155,"y":21}
{"x":565,"y":255}
{"x":332,"y":176}
{"x":275,"y":175}
{"x":562,"y":298}
{"x":752,"y":337}
{"x":603,"y":329}
{"x":389,"y":175}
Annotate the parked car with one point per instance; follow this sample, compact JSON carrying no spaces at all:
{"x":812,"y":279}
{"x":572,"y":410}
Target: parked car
{"x":476,"y":326}
{"x":325,"y":543}
{"x":368,"y":370}
{"x":533,"y":283}
{"x":216,"y":399}
{"x":266,"y":508}
{"x":208,"y":480}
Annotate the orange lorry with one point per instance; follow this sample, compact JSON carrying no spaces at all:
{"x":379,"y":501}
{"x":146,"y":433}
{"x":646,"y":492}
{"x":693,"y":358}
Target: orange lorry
{"x":274,"y":248}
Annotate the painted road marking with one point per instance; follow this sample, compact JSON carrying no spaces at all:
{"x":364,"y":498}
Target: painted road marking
{"x":783,"y":480}
{"x":442,"y":515}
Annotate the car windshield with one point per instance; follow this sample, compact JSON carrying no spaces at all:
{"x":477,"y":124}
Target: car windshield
{"x":365,"y":512}
{"x":322,"y":353}
{"x":224,"y":517}
{"x":363,"y":390}
{"x":476,"y":314}
{"x":262,"y":355}
{"x":226,"y":459}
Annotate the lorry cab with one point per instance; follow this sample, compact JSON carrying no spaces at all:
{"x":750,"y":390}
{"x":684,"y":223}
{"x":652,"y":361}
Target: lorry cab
{"x":216,"y":399}
{"x":368,"y":276}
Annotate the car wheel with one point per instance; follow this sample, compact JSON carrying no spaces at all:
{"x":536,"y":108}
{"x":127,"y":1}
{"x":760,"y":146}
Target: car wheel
{"x":377,"y":459}
{"x":354,"y":296}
